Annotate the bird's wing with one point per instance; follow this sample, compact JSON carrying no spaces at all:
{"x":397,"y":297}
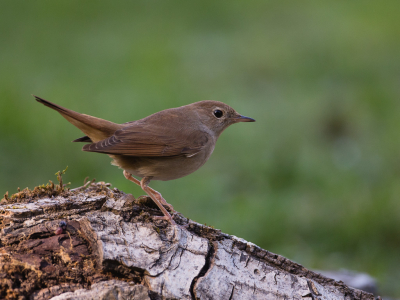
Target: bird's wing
{"x":152,"y":141}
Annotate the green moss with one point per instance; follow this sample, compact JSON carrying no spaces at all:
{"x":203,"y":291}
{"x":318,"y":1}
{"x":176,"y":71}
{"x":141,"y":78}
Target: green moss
{"x":50,"y":189}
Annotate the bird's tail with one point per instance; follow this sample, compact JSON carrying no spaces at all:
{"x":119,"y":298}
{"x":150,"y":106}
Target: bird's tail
{"x":95,"y":128}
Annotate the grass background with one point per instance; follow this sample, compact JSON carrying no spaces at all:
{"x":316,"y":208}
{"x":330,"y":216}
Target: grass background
{"x":316,"y":178}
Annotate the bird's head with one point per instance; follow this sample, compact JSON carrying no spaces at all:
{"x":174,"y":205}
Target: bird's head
{"x":217,"y":116}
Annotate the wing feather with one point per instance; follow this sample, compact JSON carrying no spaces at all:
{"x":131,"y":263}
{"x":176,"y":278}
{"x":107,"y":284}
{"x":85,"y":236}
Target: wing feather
{"x":150,"y":141}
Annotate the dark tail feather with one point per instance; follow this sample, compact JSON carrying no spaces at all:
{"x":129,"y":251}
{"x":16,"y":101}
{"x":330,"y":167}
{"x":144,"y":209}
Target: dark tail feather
{"x":84,"y":139}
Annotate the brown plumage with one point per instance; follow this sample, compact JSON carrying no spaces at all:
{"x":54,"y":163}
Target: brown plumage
{"x":163,"y":146}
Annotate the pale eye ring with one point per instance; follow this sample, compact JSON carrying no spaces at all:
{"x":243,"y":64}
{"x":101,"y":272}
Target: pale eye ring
{"x":218,"y":113}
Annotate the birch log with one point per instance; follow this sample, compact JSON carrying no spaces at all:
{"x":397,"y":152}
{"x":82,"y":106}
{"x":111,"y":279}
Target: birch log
{"x":111,"y":248}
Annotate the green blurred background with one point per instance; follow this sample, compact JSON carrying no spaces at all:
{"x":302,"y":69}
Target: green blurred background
{"x":316,"y":178}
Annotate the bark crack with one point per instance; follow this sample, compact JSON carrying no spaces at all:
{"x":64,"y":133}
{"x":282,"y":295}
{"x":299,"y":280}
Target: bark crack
{"x":209,"y":259}
{"x":233,"y":290}
{"x":180,"y":259}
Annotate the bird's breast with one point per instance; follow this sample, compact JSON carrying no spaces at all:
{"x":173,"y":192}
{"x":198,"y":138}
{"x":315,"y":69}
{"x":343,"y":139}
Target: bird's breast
{"x":163,"y":168}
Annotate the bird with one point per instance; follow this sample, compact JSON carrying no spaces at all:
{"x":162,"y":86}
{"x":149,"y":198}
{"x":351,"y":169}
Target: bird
{"x":166,"y":145}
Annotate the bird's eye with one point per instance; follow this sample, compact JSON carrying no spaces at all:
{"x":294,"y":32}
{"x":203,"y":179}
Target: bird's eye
{"x":218,"y":113}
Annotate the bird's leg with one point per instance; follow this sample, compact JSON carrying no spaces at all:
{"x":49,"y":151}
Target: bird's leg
{"x":154,"y":192}
{"x":154,"y":195}
{"x":144,"y":185}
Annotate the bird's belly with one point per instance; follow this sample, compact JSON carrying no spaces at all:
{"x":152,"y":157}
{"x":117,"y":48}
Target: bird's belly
{"x":161,"y":168}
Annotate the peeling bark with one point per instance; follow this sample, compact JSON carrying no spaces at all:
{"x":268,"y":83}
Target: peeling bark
{"x":111,"y":248}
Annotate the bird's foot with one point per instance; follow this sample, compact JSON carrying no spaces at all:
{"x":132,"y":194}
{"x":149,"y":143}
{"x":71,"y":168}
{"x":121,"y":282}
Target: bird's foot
{"x":160,"y":198}
{"x":156,"y":194}
{"x":171,"y":221}
{"x":168,"y":218}
{"x":170,"y":207}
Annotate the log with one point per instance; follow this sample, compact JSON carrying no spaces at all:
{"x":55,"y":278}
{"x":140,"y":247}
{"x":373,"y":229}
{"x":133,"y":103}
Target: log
{"x":112,"y":248}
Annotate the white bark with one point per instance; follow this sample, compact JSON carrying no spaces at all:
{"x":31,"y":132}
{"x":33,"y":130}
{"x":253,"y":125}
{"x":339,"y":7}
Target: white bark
{"x":107,"y":290}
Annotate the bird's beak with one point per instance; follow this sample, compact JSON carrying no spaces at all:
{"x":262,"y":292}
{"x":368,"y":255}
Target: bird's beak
{"x":241,"y":118}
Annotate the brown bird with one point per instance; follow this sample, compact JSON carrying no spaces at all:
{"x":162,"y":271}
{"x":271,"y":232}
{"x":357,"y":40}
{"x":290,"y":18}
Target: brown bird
{"x":163,"y":146}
